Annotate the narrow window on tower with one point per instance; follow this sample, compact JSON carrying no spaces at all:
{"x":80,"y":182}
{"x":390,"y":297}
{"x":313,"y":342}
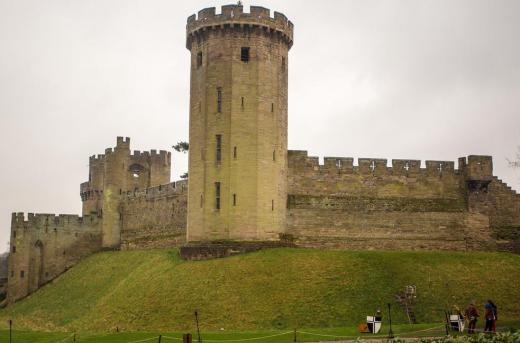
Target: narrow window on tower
{"x":235,"y":152}
{"x":199,"y":60}
{"x":272,"y":205}
{"x":217,"y":195}
{"x":283,"y":64}
{"x":14,"y":249}
{"x":201,"y":201}
{"x":219,"y":100}
{"x":234,"y":199}
{"x":22,"y":273}
{"x":242,"y":103}
{"x":272,"y":107}
{"x":218,"y":150}
{"x":244,"y":54}
{"x":274,"y":155}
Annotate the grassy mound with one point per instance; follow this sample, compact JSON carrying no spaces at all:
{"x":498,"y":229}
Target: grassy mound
{"x":272,"y":289}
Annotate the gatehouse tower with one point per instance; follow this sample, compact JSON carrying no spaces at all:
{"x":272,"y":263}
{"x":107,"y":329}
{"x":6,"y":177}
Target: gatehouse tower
{"x":238,"y":124}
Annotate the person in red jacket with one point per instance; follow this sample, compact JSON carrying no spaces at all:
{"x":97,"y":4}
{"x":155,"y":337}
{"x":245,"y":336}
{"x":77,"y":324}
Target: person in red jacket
{"x":472,"y":315}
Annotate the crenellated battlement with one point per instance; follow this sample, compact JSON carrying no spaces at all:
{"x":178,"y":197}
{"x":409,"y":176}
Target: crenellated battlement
{"x":152,"y":155}
{"x":123,"y":142}
{"x":36,"y":220}
{"x":170,"y":189}
{"x":87,"y":193}
{"x":299,"y":159}
{"x":98,"y":158}
{"x":233,"y":16}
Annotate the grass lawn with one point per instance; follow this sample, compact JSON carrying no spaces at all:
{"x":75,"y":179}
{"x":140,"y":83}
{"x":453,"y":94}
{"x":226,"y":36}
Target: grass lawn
{"x":267,"y":336}
{"x":278,"y":289}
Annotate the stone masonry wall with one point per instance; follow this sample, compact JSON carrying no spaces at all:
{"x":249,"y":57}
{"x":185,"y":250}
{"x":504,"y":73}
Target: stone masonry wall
{"x":238,"y":123}
{"x":46,"y":245}
{"x":155,"y":217}
{"x":372,"y":206}
{"x":504,"y":215}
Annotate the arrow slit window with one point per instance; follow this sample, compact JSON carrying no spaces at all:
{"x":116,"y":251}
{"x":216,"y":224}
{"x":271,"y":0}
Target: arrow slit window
{"x":218,"y":151}
{"x":219,"y":100}
{"x":244,"y":54}
{"x":217,"y":195}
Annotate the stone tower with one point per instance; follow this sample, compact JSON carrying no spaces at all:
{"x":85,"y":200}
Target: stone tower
{"x":115,"y":173}
{"x":238,"y":124}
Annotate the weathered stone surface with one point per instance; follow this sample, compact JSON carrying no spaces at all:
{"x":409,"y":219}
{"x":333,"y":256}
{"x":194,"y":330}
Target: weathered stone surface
{"x":155,"y":217}
{"x":239,"y":68}
{"x":44,"y":245}
{"x":216,"y":249}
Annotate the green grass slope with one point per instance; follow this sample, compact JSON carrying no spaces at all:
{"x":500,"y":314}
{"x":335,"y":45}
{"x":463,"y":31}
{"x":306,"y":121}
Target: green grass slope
{"x":272,"y":289}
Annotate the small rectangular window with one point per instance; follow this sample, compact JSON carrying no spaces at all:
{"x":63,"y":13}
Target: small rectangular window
{"x":199,"y":59}
{"x":234,"y":199}
{"x":219,"y":100}
{"x":274,"y":155}
{"x":242,"y":103}
{"x":272,"y":205}
{"x":218,"y":150}
{"x":14,"y":249}
{"x":272,"y":107}
{"x":12,"y":273}
{"x":283,"y":64}
{"x":201,"y":201}
{"x":217,"y":195}
{"x":244,"y":54}
{"x":22,"y":273}
{"x":235,"y":152}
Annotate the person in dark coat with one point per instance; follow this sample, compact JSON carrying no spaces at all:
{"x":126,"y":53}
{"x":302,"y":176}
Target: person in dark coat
{"x":472,"y":315}
{"x":489,"y":315}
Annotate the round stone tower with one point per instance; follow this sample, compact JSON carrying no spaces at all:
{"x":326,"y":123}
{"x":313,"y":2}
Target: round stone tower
{"x":238,"y":124}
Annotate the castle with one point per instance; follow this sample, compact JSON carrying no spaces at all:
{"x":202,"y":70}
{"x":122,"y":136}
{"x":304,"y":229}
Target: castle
{"x":245,"y":185}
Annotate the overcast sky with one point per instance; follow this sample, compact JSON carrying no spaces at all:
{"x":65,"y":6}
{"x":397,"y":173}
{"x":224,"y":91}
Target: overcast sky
{"x":412,"y":79}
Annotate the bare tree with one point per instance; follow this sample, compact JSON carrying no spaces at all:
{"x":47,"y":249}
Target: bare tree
{"x":515,"y":163}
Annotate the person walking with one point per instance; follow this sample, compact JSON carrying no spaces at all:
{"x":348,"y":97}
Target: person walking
{"x":472,"y":315}
{"x":489,"y":316}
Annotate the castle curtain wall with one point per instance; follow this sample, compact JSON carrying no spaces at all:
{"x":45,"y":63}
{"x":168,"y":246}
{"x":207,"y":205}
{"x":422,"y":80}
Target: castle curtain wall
{"x":44,"y":246}
{"x":372,"y":206}
{"x":504,"y":215}
{"x":155,"y":217}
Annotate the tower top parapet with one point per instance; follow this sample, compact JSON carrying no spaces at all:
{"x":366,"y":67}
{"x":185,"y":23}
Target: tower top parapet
{"x":234,"y":16}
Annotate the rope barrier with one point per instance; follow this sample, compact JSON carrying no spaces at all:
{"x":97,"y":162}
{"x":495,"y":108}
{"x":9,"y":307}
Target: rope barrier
{"x":175,"y":338}
{"x":239,"y":340}
{"x":66,"y":338}
{"x":333,"y":336}
{"x":277,"y":335}
{"x":379,"y":336}
{"x":144,"y":340}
